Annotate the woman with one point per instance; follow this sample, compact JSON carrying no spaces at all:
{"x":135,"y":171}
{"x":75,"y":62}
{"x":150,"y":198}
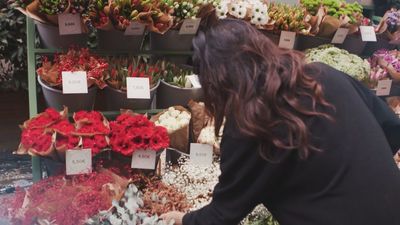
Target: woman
{"x":307,"y":141}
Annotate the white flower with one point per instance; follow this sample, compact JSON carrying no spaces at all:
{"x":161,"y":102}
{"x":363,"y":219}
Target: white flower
{"x":238,"y":10}
{"x":222,"y":10}
{"x":207,"y":136}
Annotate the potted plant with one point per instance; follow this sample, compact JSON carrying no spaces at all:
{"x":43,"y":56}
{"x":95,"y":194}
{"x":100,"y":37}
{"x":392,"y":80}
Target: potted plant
{"x":50,"y":78}
{"x":175,"y":87}
{"x":121,"y":68}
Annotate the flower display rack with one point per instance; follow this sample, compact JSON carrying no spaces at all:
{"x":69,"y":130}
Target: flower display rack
{"x":33,"y":51}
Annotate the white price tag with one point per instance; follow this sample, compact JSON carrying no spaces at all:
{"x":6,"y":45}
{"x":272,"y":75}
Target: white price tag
{"x":138,"y":87}
{"x":190,"y":26}
{"x":340,"y":36}
{"x":287,"y":39}
{"x":69,"y":24}
{"x":78,"y":161}
{"x":201,"y":154}
{"x":368,"y":33}
{"x":135,"y":29}
{"x":194,"y":80}
{"x":144,"y":159}
{"x":384,"y":87}
{"x":74,"y":82}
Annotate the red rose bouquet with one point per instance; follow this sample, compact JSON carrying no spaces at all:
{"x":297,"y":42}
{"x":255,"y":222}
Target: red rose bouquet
{"x":134,"y":132}
{"x":93,"y":128}
{"x":65,"y":138}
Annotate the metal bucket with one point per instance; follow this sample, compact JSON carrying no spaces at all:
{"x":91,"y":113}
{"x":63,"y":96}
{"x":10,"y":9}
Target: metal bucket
{"x":170,"y":95}
{"x":117,"y":99}
{"x":353,"y":44}
{"x":54,"y":98}
{"x":117,"y":40}
{"x":50,"y":37}
{"x":307,"y":42}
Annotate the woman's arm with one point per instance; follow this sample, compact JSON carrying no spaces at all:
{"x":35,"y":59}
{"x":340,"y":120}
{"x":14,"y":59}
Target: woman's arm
{"x":242,"y":185}
{"x":386,"y":118}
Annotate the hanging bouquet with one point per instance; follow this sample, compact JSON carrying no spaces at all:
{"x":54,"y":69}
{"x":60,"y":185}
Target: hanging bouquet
{"x":74,"y":60}
{"x":123,"y":67}
{"x":38,"y":136}
{"x":385,"y":64}
{"x":94,"y":129}
{"x":134,"y":132}
{"x":176,"y":76}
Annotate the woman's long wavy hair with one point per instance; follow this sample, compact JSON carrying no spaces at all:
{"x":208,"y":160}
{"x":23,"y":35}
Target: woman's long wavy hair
{"x":263,"y":87}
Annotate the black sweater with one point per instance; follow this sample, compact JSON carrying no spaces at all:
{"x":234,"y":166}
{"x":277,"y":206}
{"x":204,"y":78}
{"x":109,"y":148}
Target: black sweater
{"x":353,"y":181}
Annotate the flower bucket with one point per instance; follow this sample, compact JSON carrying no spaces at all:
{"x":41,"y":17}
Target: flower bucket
{"x":172,"y":41}
{"x":50,"y":37}
{"x":117,"y":99}
{"x":170,"y":95}
{"x":353,"y":44}
{"x":75,"y":102}
{"x":381,"y":43}
{"x":117,"y":40}
{"x":273,"y":37}
{"x":307,"y":42}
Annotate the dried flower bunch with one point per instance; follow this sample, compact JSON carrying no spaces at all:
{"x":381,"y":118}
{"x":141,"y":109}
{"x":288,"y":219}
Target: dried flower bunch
{"x":196,"y":182}
{"x":74,"y":60}
{"x":134,"y":132}
{"x":123,"y":67}
{"x":60,"y":200}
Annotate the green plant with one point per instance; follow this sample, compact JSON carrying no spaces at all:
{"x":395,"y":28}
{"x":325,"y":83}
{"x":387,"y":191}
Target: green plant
{"x":53,"y":7}
{"x":22,"y":3}
{"x":12,"y":47}
{"x":175,"y":75}
{"x":335,"y":8}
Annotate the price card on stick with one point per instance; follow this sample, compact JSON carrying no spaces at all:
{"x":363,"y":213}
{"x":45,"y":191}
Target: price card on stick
{"x":78,"y":161}
{"x":201,"y":154}
{"x":69,"y":24}
{"x":194,"y":80}
{"x":138,"y":87}
{"x":74,"y":82}
{"x":287,"y":39}
{"x":144,"y":159}
{"x":190,"y":26}
{"x":384,"y":87}
{"x":368,"y":33}
{"x":135,"y":29}
{"x":340,"y":36}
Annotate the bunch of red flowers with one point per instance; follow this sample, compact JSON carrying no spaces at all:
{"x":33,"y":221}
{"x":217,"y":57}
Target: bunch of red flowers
{"x":134,"y":132}
{"x":65,"y":138}
{"x":37,"y":133}
{"x":74,"y":60}
{"x":93,"y":128}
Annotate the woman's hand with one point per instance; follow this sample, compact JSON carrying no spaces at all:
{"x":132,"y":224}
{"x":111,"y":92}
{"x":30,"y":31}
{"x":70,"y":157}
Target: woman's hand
{"x":174,"y":215}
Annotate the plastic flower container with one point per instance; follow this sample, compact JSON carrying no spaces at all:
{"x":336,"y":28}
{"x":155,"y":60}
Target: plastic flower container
{"x":55,"y":98}
{"x":115,"y":99}
{"x":50,"y":37}
{"x":171,"y":95}
{"x":117,"y":40}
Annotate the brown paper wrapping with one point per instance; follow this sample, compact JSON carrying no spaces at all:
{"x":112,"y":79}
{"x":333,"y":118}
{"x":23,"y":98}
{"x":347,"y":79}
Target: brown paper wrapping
{"x":49,"y":153}
{"x":328,"y":26}
{"x":199,"y":118}
{"x":179,"y":139}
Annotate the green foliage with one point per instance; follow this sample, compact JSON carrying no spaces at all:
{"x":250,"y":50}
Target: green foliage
{"x":12,"y":46}
{"x":336,"y":8}
{"x":53,"y":7}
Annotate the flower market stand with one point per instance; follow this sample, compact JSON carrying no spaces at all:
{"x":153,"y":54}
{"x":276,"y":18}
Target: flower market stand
{"x":33,"y":51}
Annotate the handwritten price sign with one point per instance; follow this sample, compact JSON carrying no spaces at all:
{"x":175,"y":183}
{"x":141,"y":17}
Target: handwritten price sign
{"x":78,"y":161}
{"x":144,"y":159}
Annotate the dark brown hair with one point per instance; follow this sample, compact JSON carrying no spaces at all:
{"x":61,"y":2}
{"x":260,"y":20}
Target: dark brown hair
{"x":247,"y":77}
